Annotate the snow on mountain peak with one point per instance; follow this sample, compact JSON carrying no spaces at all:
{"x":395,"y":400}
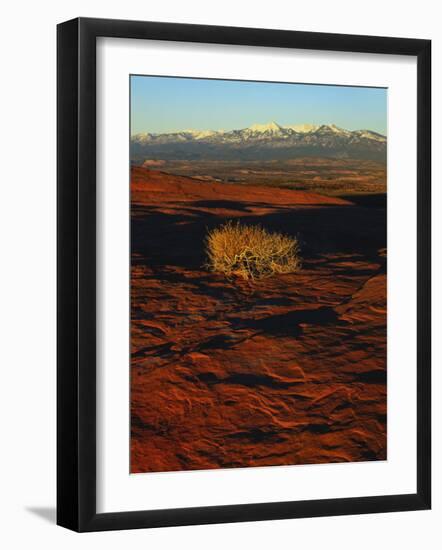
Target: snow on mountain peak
{"x":369,"y":134}
{"x":270,"y":127}
{"x":201,"y":134}
{"x":272,"y":131}
{"x":271,"y":140}
{"x":303,"y":128}
{"x":337,"y":129}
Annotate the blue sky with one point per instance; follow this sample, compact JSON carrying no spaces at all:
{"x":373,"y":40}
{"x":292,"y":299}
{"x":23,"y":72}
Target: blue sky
{"x":166,"y":104}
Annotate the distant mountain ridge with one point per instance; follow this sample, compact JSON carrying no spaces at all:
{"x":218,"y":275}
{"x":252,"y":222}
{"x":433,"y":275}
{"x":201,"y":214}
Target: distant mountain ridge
{"x":260,"y":141}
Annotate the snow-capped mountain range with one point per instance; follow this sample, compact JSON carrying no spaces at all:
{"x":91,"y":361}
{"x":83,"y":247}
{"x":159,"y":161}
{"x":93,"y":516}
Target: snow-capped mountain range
{"x":260,"y":141}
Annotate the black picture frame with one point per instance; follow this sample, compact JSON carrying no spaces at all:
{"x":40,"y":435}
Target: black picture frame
{"x":76,"y":272}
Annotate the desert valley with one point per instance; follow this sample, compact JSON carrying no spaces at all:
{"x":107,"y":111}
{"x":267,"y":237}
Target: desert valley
{"x":283,"y":370}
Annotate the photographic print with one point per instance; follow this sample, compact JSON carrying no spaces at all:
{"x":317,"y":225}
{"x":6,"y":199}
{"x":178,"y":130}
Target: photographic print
{"x":258,"y":274}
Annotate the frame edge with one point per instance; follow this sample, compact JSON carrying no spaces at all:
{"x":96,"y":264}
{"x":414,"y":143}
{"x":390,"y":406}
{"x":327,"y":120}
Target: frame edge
{"x":67,"y":278}
{"x":76,"y":384}
{"x":424,"y":273}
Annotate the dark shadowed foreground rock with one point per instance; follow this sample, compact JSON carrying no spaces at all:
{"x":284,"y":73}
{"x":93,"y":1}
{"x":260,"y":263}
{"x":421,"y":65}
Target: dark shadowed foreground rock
{"x":288,"y":370}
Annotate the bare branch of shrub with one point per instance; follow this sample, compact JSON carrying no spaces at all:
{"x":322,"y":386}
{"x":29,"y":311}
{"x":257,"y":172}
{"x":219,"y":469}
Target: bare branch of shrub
{"x":250,"y":251}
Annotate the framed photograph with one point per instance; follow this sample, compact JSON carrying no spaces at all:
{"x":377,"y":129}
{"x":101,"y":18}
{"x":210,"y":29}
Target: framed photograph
{"x":243,"y":274}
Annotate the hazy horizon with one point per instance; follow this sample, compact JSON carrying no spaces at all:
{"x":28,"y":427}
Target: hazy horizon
{"x":171,"y":104}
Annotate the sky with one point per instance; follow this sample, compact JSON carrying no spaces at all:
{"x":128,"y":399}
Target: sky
{"x":168,"y":104}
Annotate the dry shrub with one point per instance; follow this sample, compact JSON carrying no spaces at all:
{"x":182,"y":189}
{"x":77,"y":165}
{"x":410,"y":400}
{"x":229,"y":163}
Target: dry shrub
{"x":251,"y":251}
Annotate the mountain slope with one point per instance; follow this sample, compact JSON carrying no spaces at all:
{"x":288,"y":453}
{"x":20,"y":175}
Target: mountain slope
{"x":261,"y":141}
